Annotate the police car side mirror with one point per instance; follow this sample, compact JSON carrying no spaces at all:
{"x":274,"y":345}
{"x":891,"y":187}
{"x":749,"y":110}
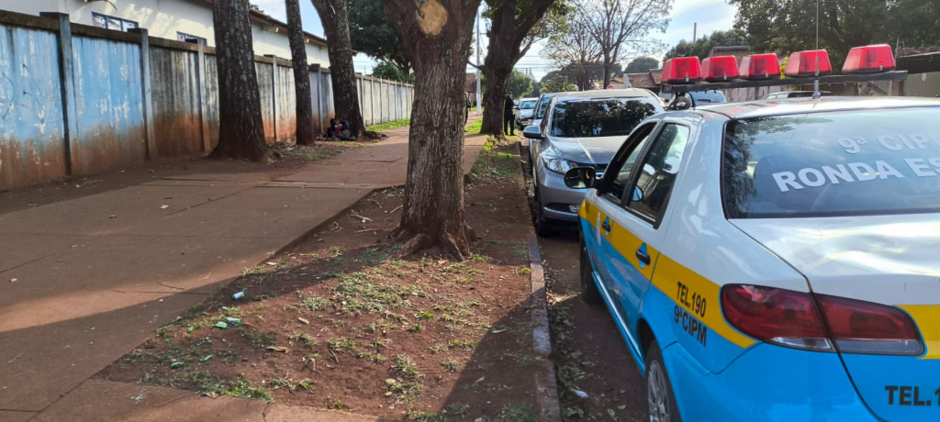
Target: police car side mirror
{"x":532,"y":132}
{"x":581,"y":178}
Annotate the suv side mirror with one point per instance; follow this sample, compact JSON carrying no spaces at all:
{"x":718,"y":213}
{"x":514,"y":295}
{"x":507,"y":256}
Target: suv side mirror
{"x":581,"y":178}
{"x":532,"y":132}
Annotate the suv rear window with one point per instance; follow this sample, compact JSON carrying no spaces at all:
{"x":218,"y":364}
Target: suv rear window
{"x":833,"y":164}
{"x":596,"y":117}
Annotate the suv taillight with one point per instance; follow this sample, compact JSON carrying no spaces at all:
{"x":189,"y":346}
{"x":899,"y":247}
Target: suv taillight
{"x":794,"y":319}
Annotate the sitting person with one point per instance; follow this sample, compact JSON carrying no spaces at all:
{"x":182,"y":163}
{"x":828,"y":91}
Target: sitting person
{"x":340,"y":130}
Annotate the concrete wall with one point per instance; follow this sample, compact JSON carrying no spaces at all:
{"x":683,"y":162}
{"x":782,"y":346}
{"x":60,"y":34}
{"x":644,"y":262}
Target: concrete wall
{"x":165,"y":18}
{"x":110,"y":110}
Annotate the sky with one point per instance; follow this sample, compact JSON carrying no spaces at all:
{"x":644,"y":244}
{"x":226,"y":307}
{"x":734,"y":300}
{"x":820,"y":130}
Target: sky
{"x":711,"y":15}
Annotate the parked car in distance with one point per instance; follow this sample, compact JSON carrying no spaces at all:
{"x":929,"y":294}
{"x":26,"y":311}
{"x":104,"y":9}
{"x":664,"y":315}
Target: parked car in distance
{"x":775,"y":260}
{"x":540,"y":107}
{"x":580,"y":129}
{"x":796,"y":94}
{"x":524,"y":112}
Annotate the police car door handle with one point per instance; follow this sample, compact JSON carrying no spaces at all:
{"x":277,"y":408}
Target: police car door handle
{"x":643,"y":256}
{"x":606,"y":226}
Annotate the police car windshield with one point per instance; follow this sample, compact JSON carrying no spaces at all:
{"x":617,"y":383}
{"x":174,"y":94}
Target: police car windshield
{"x":596,"y":117}
{"x":833,"y":164}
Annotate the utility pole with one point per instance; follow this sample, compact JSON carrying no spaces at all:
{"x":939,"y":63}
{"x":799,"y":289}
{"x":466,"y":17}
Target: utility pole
{"x":694,"y":31}
{"x":479,"y":92}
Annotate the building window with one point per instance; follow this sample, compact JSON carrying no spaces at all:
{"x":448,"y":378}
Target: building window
{"x":182,"y":36}
{"x":111,"y":22}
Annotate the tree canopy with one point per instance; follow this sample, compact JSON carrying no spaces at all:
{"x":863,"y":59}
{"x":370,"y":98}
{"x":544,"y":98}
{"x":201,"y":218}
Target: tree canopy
{"x":558,"y":83}
{"x":371,"y":33}
{"x":642,"y":64}
{"x":389,"y":71}
{"x":790,"y":26}
{"x":702,"y":46}
{"x":519,"y":84}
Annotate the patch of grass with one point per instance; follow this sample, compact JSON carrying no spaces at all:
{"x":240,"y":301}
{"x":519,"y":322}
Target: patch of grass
{"x":529,"y":360}
{"x":336,"y":251}
{"x":291,"y":385}
{"x":229,"y":355}
{"x":524,"y":271}
{"x":355,"y":294}
{"x":461,"y":344}
{"x":518,"y":413}
{"x":475,"y":127}
{"x":379,"y":344}
{"x":374,"y":357}
{"x":341,"y":344}
{"x":258,"y":339}
{"x":479,"y":258}
{"x":334,"y":403}
{"x":312,"y":303}
{"x":381,"y":326}
{"x":416,"y":328}
{"x":394,"y":124}
{"x":450,"y":365}
{"x":213,"y":386}
{"x":405,"y":367}
{"x":437,"y":348}
{"x":304,"y":338}
{"x":426,"y":315}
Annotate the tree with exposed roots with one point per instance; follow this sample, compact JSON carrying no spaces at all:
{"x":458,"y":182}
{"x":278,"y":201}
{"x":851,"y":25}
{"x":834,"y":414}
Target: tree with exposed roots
{"x":298,"y":53}
{"x":436,"y":35}
{"x":511,"y":34}
{"x":335,"y":19}
{"x":241,"y":131}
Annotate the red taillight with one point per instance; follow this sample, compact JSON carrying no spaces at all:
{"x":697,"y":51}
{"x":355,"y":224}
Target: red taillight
{"x":720,"y":68}
{"x":865,"y":327}
{"x":869,"y":59}
{"x":803,"y":63}
{"x":794,"y":319}
{"x":774,"y":315}
{"x":681,"y":70}
{"x":760,"y":66}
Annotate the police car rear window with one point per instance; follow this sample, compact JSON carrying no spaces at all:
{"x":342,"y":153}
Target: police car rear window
{"x":833,"y":164}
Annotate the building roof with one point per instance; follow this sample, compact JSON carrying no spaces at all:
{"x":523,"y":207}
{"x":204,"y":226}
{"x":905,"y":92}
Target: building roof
{"x":657,"y":75}
{"x":920,"y":63}
{"x":642,"y":80}
{"x":605,"y":93}
{"x":738,"y":51}
{"x":268,"y":20}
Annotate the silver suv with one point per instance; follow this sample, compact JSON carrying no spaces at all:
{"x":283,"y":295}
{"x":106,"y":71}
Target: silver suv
{"x":582,"y":129}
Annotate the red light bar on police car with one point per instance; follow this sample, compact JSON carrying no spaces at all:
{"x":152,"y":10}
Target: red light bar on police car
{"x":682,"y":70}
{"x":720,"y":68}
{"x":803,"y":63}
{"x":869,"y":59}
{"x":760,"y":66}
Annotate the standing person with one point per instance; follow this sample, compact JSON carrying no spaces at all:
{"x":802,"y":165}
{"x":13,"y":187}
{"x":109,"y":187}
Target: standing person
{"x":509,"y":120}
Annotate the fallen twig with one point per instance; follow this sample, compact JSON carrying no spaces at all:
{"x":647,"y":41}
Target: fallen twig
{"x":375,"y":202}
{"x":334,"y":355}
{"x":173,"y":287}
{"x":360,"y":217}
{"x":396,"y":209}
{"x":17,"y":357}
{"x":172,"y":400}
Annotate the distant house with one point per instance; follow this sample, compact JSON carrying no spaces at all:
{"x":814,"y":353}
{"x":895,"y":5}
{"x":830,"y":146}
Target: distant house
{"x":923,"y":67}
{"x":643,"y":80}
{"x":182,"y":20}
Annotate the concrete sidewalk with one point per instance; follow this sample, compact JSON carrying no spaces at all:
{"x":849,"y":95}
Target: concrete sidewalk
{"x":84,"y":281}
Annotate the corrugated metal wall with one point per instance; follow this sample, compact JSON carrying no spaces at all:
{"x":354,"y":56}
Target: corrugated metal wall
{"x":108,"y":104}
{"x":922,"y":85}
{"x":175,"y":101}
{"x":32,"y":133}
{"x":109,"y":101}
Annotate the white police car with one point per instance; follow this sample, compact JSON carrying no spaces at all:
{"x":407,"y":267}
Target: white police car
{"x":775,"y":260}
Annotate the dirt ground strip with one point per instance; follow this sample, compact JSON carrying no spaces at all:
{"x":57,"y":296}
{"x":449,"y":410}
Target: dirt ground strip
{"x":597,"y":378}
{"x":289,"y":159}
{"x":340,"y":323}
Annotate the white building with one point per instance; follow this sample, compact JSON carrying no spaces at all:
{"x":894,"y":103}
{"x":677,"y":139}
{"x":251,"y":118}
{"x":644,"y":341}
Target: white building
{"x":171,"y":19}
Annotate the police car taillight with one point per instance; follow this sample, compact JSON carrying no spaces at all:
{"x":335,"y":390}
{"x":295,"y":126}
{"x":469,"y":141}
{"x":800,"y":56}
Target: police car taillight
{"x":869,"y":59}
{"x":720,"y":68}
{"x":864,"y":327}
{"x":682,"y":70}
{"x":776,"y":316}
{"x":794,"y":319}
{"x":760,"y":66}
{"x":803,"y":63}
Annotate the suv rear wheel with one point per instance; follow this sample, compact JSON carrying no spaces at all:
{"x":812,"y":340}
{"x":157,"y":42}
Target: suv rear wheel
{"x":661,"y":402}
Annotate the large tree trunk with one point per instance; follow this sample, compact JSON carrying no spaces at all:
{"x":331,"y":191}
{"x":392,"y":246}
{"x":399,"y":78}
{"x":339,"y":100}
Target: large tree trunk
{"x":494,"y":100}
{"x":436,"y":35}
{"x":241,"y":131}
{"x":335,"y":19}
{"x":298,"y":53}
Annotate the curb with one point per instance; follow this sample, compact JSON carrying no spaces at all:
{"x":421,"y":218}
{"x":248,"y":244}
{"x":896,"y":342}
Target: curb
{"x":545,"y":381}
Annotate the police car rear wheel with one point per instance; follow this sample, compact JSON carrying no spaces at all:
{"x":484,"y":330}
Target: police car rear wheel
{"x":661,"y":402}
{"x":588,"y":287}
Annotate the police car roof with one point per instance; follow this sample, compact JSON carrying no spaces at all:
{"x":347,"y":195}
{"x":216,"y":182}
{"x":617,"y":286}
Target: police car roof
{"x":604,"y":93}
{"x":784,"y":106}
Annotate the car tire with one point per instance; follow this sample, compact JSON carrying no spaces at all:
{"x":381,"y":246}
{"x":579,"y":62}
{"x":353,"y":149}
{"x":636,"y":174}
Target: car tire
{"x":589,"y":291}
{"x":660,"y":399}
{"x":543,"y":227}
